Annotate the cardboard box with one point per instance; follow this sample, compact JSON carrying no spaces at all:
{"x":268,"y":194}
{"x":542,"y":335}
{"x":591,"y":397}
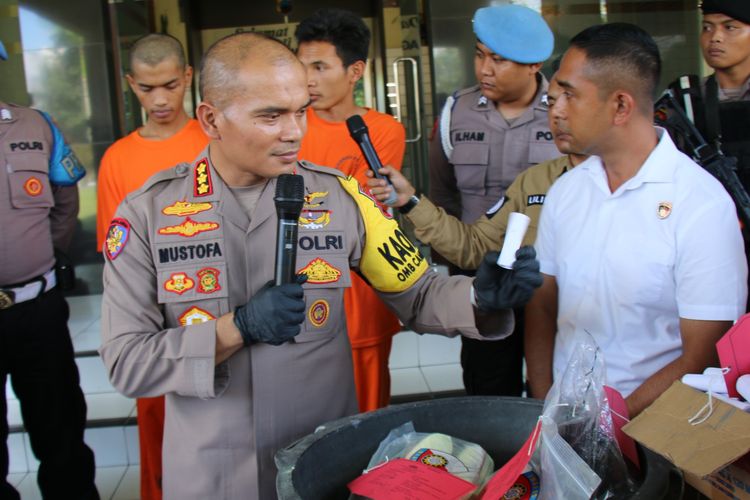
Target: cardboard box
{"x":702,"y":451}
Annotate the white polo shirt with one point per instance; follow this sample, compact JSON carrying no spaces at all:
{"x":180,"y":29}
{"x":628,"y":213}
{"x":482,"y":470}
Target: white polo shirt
{"x":629,"y":264}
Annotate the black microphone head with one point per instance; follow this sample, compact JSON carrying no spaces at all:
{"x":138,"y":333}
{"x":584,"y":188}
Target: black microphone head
{"x":356,"y":126}
{"x":290,"y":195}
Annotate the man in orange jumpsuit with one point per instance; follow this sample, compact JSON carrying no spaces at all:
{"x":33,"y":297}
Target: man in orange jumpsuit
{"x":333,"y":46}
{"x":159,"y":77}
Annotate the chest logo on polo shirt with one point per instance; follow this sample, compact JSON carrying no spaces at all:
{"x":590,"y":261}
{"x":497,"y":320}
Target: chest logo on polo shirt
{"x":318,"y":313}
{"x":310,"y":199}
{"x":33,"y":186}
{"x":665,"y":208}
{"x":535,"y":199}
{"x":314,"y":219}
{"x":319,"y":272}
{"x":202,"y":179}
{"x":117,"y":236}
{"x":468,"y":136}
{"x":189,"y":228}
{"x":208,"y":280}
{"x":179,"y":283}
{"x":194,"y":316}
{"x":184,"y":208}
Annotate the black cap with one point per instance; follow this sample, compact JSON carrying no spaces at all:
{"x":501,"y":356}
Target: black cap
{"x":736,"y":9}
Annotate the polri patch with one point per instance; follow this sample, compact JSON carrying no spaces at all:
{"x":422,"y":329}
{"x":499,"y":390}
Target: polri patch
{"x":208,"y":280}
{"x":318,"y":313}
{"x":189,"y":228}
{"x":179,"y":283}
{"x":319,"y":271}
{"x":33,"y":186}
{"x":117,"y":236}
{"x":202,"y":179}
{"x":185,"y":208}
{"x":194,"y":316}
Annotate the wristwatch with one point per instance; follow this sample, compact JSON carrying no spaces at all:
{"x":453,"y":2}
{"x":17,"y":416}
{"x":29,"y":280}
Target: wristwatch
{"x":406,"y":208}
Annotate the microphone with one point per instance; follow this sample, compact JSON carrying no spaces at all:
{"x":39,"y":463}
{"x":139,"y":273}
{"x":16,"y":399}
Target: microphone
{"x":358,"y":131}
{"x":289,"y":198}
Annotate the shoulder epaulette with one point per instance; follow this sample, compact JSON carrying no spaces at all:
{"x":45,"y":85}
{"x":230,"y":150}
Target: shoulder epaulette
{"x":180,"y":170}
{"x":318,"y":168}
{"x":467,"y":90}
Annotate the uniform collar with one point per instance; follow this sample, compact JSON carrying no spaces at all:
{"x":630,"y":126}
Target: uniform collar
{"x":659,"y":167}
{"x":537,"y":104}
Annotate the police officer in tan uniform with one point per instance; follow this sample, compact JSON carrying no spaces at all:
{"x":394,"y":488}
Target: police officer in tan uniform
{"x":188,"y":309}
{"x":38,"y":212}
{"x":465,"y":245}
{"x":488,"y":134}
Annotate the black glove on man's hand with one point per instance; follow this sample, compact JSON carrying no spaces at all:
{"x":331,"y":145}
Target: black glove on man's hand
{"x":273,"y":315}
{"x":498,"y":288}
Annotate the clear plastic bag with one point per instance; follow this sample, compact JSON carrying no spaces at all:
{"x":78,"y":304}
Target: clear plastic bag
{"x":461,"y":458}
{"x":576,"y":413}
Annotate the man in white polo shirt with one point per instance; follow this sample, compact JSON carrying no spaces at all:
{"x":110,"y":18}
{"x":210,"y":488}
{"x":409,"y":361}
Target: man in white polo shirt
{"x":638,"y":245}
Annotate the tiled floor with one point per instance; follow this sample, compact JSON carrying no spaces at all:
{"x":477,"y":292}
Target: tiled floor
{"x":420,"y":365}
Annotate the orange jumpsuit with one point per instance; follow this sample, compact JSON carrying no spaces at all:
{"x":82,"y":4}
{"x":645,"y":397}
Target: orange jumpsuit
{"x":125,"y":166}
{"x":370,"y":323}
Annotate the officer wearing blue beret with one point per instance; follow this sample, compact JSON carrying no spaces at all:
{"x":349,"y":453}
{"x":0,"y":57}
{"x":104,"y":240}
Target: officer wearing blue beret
{"x":38,"y":213}
{"x":487,"y":135}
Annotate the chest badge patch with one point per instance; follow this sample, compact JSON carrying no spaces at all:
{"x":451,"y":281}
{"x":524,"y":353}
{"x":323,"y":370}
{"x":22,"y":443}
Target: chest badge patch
{"x":117,"y":236}
{"x":314,"y":219}
{"x":318,"y":313}
{"x":319,"y":271}
{"x":202,"y":179}
{"x":665,"y":208}
{"x":194,"y":316}
{"x":33,"y":186}
{"x":184,"y":208}
{"x":208,"y":280}
{"x":310,"y":199}
{"x":179,"y":283}
{"x":189,"y":228}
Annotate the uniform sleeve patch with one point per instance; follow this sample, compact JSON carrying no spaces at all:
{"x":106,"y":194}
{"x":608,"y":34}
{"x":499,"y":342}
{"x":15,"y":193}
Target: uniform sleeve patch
{"x":319,"y":271}
{"x":202,"y":179}
{"x":318,"y":313}
{"x":390,"y":261}
{"x":33,"y":186}
{"x":117,"y":236}
{"x":208,"y":280}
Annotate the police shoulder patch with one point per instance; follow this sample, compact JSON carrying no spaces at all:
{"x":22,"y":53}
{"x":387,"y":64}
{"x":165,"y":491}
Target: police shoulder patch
{"x":117,"y":236}
{"x":317,"y":168}
{"x":390,"y":261}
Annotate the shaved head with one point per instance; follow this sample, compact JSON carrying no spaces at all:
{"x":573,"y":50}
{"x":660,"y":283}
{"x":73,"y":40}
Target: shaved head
{"x":155,"y":48}
{"x":219,"y":84}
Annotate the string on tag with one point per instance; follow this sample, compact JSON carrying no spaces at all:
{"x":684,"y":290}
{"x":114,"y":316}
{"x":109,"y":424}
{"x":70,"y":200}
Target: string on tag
{"x":376,"y":466}
{"x":705,"y":412}
{"x":534,"y":435}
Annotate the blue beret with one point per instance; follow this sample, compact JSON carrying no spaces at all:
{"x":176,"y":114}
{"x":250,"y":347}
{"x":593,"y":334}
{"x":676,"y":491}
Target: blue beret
{"x":3,"y":53}
{"x":514,"y":32}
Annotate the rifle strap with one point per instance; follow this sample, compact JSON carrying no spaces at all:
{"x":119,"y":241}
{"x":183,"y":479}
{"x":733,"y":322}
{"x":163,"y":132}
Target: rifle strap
{"x":713,"y":125}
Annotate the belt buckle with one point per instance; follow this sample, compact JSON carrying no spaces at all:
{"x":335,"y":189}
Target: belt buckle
{"x":7,"y":298}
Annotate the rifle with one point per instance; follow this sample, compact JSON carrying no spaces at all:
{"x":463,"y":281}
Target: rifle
{"x":670,"y":115}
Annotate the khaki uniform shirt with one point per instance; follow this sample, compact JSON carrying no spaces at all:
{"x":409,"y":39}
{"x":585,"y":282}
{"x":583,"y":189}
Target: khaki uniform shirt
{"x":465,"y":245}
{"x":488,"y":153}
{"x":35,"y":216}
{"x":182,"y":252}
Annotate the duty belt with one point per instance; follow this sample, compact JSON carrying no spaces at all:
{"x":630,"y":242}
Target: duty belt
{"x":12,"y":295}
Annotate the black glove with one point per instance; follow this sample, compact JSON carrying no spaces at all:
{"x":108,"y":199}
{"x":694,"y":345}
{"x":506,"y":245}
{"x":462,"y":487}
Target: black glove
{"x":273,"y":315}
{"x":498,"y":288}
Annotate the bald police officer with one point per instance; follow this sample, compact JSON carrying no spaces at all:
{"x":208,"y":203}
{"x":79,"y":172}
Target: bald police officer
{"x":188,"y":309}
{"x":488,"y":134}
{"x":38,"y":211}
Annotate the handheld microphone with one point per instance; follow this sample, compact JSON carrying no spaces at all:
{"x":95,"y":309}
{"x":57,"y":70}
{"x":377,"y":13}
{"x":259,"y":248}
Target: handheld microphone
{"x":358,"y":131}
{"x":289,"y":199}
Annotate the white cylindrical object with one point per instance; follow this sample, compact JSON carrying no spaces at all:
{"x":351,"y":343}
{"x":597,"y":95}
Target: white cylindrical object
{"x":713,"y":371}
{"x":743,"y":386}
{"x":517,"y":225}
